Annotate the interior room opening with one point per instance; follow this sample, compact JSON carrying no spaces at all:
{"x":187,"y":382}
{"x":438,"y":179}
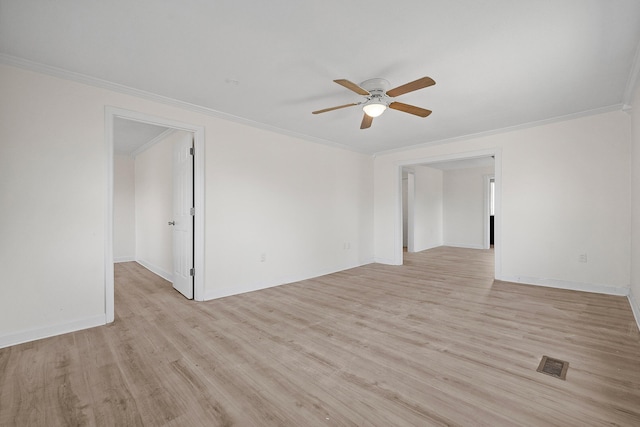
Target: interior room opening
{"x":450,"y":202}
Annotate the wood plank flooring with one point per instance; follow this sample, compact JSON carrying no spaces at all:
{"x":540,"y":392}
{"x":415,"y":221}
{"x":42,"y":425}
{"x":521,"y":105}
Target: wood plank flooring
{"x":434,"y":342}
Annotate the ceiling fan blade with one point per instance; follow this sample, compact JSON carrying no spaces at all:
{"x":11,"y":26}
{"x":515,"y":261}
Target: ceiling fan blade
{"x":411,"y":109}
{"x":410,"y":87}
{"x":352,"y":86}
{"x":334,"y":108}
{"x":366,"y":122}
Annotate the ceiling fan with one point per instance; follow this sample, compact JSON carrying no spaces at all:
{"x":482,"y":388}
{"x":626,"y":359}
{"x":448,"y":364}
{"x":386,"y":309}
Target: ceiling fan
{"x":378,"y":98}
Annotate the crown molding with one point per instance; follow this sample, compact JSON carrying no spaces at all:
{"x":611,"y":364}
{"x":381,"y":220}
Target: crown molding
{"x":116,"y":87}
{"x":595,"y":111}
{"x":149,"y":96}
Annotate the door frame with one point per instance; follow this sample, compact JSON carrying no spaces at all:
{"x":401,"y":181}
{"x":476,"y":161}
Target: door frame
{"x":111,"y":113}
{"x":411,"y":193}
{"x":497,"y":155}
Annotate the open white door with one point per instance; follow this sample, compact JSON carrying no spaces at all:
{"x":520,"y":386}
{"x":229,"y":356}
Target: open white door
{"x":182,"y":216}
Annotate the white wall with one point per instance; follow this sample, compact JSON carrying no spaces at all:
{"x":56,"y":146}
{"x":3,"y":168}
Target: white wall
{"x":428,"y":208}
{"x":464,"y":207}
{"x":565,"y":191}
{"x":124,"y":226}
{"x":154,"y":206}
{"x":52,"y":190}
{"x":635,"y":227}
{"x":298,"y":202}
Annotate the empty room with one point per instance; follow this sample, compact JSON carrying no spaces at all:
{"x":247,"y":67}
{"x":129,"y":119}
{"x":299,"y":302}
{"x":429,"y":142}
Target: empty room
{"x":365,"y":213}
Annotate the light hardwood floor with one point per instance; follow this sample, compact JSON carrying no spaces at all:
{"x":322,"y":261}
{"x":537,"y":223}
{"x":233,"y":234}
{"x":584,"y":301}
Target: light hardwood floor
{"x":433,"y":342}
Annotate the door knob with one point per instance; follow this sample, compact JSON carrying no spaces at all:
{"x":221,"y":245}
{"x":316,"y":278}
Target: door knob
{"x":172,"y":223}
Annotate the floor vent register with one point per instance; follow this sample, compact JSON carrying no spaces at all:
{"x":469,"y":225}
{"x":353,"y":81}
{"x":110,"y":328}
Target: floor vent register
{"x":555,"y":367}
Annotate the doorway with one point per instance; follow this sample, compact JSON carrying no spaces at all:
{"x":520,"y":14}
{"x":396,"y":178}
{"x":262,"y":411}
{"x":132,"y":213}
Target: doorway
{"x":490,"y":211}
{"x":431,"y":166}
{"x":111,"y":114}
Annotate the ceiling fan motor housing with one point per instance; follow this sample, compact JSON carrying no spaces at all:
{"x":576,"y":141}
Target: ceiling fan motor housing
{"x":377,"y":88}
{"x":375,"y":85}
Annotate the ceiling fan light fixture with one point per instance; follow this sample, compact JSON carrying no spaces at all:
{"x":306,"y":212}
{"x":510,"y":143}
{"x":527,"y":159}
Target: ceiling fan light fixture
{"x":377,"y":98}
{"x":374,"y":109}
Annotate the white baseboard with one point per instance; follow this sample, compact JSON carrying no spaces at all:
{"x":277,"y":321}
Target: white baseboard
{"x":563,"y":284}
{"x":426,"y":248}
{"x":156,"y":270}
{"x":463,"y":245}
{"x":221,"y":293}
{"x":227,"y":292}
{"x":51,"y":331}
{"x":124,"y":259}
{"x":635,"y":307}
{"x":386,"y":261}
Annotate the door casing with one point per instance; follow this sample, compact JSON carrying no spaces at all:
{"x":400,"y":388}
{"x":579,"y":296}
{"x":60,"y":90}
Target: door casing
{"x":199,"y":199}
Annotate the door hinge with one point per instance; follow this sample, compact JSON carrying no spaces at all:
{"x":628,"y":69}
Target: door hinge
{"x":192,"y":272}
{"x":192,"y":211}
{"x":191,"y":151}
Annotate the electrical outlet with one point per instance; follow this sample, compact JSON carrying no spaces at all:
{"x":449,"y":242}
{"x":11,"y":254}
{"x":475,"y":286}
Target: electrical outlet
{"x":263,"y":257}
{"x":582,"y":258}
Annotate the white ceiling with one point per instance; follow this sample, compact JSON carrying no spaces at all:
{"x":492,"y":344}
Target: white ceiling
{"x":496,"y":63}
